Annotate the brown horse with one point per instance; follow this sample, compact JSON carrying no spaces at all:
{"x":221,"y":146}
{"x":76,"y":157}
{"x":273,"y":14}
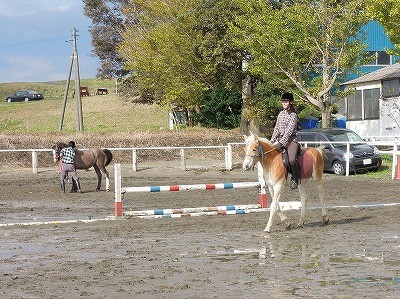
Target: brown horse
{"x":96,"y":157}
{"x":275,"y":175}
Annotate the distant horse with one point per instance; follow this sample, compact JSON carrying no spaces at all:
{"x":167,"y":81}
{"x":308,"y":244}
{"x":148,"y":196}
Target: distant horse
{"x":96,"y":157}
{"x":311,"y":165}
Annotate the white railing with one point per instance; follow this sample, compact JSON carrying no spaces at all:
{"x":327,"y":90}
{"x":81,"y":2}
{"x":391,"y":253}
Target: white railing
{"x":228,"y":153}
{"x":182,"y":150}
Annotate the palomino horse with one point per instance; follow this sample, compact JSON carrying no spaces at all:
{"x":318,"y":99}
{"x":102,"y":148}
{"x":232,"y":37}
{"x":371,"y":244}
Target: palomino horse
{"x":96,"y":157}
{"x":311,"y":163}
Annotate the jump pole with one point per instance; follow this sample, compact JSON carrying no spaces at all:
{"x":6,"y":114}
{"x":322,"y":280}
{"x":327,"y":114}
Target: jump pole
{"x":119,"y":190}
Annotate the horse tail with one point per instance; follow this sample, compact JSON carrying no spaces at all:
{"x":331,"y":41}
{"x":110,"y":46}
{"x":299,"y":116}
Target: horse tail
{"x":322,"y":152}
{"x":109,"y":156}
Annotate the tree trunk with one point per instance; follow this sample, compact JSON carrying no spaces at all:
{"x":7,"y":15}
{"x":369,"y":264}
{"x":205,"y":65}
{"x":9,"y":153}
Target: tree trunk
{"x":247,"y":125}
{"x":326,"y":117}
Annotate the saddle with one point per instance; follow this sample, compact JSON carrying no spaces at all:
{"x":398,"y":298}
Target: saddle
{"x":285,"y":160}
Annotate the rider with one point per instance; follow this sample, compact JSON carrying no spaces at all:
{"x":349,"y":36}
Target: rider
{"x":285,"y":135}
{"x":67,"y":156}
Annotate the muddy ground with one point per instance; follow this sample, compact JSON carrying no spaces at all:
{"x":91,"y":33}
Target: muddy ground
{"x":357,"y":255}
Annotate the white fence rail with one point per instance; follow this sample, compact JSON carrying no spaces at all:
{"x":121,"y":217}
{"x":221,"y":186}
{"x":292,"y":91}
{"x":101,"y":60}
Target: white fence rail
{"x":227,"y":149}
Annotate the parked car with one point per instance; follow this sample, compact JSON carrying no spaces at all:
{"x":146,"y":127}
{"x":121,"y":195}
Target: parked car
{"x":24,"y":95}
{"x":363,"y":157}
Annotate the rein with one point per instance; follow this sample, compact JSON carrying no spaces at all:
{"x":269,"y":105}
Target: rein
{"x":260,"y":152}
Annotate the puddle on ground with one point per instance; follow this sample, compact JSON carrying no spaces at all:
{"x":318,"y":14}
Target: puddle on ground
{"x":292,"y":265}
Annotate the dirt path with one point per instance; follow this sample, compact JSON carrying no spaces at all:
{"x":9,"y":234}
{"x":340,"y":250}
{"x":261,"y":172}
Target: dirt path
{"x":356,"y":256}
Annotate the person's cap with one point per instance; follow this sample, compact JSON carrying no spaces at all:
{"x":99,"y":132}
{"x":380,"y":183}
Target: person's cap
{"x":287,"y":97}
{"x":71,"y":144}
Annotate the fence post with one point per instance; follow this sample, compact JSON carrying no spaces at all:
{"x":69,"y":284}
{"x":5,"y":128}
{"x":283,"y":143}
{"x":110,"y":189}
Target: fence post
{"x":118,"y":191}
{"x":348,"y":159}
{"x":134,"y":159}
{"x":183,"y":161}
{"x":228,"y":157}
{"x":34,"y":162}
{"x":395,"y":163}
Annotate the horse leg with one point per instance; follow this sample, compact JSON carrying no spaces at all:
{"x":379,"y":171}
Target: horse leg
{"x":98,"y":172}
{"x":107,"y":175}
{"x":277,"y":190}
{"x":325,"y":217}
{"x":107,"y":179}
{"x":303,"y":198}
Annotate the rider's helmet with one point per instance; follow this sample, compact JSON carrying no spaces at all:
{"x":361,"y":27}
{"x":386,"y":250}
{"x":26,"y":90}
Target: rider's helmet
{"x":71,"y":144}
{"x":287,"y":97}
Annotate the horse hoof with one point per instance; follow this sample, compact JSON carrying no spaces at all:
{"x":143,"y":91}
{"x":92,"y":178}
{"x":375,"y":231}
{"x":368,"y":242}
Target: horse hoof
{"x":300,"y":225}
{"x":289,"y":226}
{"x":325,"y":219}
{"x":266,"y":230}
{"x":107,"y":190}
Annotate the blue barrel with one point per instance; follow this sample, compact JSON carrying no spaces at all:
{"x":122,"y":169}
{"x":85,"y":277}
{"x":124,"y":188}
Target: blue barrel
{"x":309,"y":123}
{"x":340,"y":123}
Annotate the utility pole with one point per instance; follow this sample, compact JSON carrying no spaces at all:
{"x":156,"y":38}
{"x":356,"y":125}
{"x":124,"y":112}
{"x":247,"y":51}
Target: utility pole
{"x":74,"y":62}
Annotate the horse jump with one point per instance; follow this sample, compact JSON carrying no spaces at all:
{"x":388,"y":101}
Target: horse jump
{"x":311,"y":163}
{"x":119,"y":190}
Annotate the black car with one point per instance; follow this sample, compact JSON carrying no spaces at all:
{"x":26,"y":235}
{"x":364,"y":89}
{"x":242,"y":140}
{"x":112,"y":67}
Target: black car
{"x":24,"y":95}
{"x":363,"y":157}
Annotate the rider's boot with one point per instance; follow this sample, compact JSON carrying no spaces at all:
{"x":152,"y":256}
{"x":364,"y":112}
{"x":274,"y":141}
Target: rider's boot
{"x":78,"y":186}
{"x":294,"y":182}
{"x":62,"y":185}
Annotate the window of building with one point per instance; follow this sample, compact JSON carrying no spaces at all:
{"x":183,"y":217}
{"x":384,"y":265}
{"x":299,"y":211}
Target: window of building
{"x":390,"y":88}
{"x":363,"y":104}
{"x":354,"y":105}
{"x":371,"y":103}
{"x":378,"y":58}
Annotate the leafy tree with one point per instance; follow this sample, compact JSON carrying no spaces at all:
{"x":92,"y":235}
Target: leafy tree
{"x":162,"y":52}
{"x":388,"y":15}
{"x":311,"y":43}
{"x":220,"y":108}
{"x":107,"y":29}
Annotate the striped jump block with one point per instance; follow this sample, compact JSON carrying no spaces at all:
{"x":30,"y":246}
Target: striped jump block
{"x":220,"y":186}
{"x":205,"y":213}
{"x":182,"y":211}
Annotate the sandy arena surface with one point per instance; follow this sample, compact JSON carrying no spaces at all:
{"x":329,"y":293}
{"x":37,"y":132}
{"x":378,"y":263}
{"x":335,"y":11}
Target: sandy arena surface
{"x":357,"y":255}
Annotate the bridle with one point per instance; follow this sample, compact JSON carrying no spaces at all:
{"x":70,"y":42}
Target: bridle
{"x":260,"y":152}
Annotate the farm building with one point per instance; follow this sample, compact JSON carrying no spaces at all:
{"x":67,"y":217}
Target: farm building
{"x":373,"y":109}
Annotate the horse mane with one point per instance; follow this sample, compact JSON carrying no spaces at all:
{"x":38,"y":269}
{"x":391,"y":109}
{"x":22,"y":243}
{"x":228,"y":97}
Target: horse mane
{"x":265,"y":140}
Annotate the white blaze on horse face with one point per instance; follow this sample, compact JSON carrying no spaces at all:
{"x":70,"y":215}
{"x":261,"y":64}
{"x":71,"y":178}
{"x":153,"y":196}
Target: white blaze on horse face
{"x":249,"y":157}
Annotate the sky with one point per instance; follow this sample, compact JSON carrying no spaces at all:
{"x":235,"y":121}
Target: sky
{"x":36,"y":40}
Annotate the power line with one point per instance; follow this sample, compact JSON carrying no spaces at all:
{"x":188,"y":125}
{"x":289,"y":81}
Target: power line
{"x":50,"y":39}
{"x":33,"y":41}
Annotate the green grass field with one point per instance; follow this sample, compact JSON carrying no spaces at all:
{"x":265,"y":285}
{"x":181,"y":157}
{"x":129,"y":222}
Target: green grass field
{"x":101,"y":113}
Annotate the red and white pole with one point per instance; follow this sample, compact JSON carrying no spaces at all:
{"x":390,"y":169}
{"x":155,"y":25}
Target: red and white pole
{"x":118,"y":189}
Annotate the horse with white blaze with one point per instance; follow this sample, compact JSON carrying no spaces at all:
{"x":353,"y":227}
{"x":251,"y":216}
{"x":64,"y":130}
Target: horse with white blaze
{"x":311,"y":164}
